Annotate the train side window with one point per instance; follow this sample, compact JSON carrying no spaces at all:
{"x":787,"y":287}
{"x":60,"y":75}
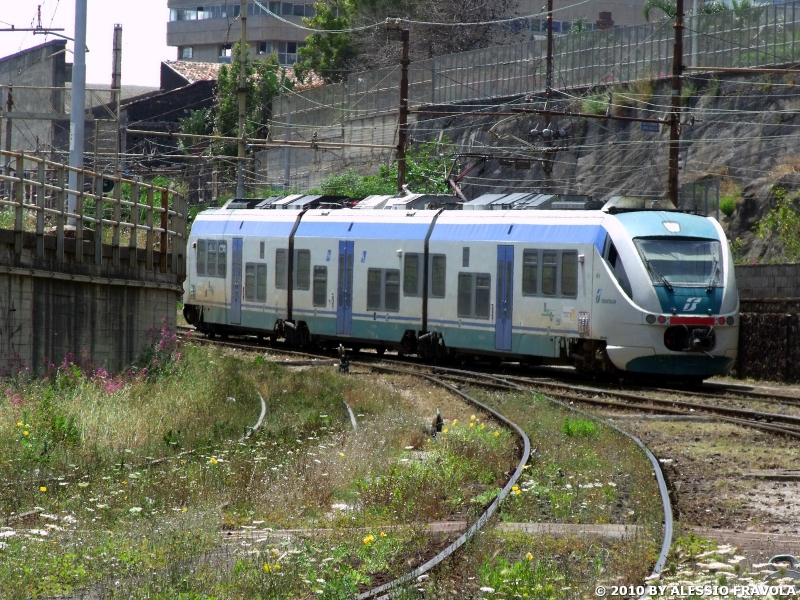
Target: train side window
{"x":211,"y":271}
{"x":473,"y":295}
{"x":549,"y":273}
{"x":280,"y":269}
{"x":261,"y":248}
{"x":261,"y":283}
{"x":201,"y":257}
{"x":465,"y":258}
{"x":530,"y":272}
{"x":618,"y":269}
{"x":374,"y":289}
{"x":438,"y":275}
{"x":391,"y":290}
{"x":250,"y":281}
{"x":222,"y":259}
{"x":320,"y":285}
{"x":569,"y":274}
{"x":302,"y":271}
{"x":411,"y":274}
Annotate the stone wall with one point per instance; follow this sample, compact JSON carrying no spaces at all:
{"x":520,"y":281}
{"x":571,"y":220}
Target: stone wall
{"x":768,"y":281}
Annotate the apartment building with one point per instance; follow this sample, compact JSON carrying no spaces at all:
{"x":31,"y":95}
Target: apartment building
{"x":207,"y":32}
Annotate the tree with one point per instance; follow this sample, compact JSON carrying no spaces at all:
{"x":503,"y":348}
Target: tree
{"x":333,"y":55}
{"x":669,"y":8}
{"x":264,"y":80}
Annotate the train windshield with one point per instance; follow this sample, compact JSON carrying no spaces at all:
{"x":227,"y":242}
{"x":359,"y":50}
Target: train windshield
{"x":682,"y":262}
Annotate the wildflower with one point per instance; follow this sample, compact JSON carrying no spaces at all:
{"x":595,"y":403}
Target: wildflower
{"x":383,"y":534}
{"x":472,"y":424}
{"x":341,"y":453}
{"x":124,"y":483}
{"x":496,"y":434}
{"x":43,"y":489}
{"x":472,"y":418}
{"x":9,"y":391}
{"x":213,"y":460}
{"x":135,"y":510}
{"x":25,"y":433}
{"x":483,"y":426}
{"x":267,"y":568}
{"x":529,"y":556}
{"x":455,"y":422}
{"x":517,"y":492}
{"x":445,"y":430}
{"x":369,"y":539}
{"x":19,"y":423}
{"x":514,"y":488}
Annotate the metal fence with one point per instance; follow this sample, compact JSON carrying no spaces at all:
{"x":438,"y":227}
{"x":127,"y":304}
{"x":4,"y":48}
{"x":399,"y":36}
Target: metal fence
{"x":760,"y":36}
{"x":145,"y":215}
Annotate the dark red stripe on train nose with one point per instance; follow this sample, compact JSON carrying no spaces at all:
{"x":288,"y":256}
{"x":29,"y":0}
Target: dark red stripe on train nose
{"x":691,"y":320}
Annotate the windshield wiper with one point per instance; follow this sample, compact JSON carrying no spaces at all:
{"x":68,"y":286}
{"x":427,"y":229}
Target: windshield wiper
{"x":655,"y":272}
{"x":713,"y":278}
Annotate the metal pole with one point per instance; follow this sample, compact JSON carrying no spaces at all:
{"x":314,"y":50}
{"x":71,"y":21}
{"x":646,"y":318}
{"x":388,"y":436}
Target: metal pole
{"x":403,"y":117}
{"x":116,"y":87}
{"x":287,"y":151}
{"x":547,"y":164}
{"x":7,"y":168}
{"x":78,"y":106}
{"x":695,"y":23}
{"x":675,"y":124}
{"x":243,"y":56}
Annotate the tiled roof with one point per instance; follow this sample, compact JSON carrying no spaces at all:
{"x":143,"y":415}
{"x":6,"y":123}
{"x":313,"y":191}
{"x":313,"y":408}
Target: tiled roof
{"x":195,"y":71}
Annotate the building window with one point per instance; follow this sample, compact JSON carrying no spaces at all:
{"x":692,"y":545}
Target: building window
{"x":320,"y":286}
{"x":186,"y":53}
{"x":383,"y":290}
{"x":412,"y":275}
{"x":530,"y":272}
{"x":265,"y":47}
{"x":438,"y":275}
{"x":302,"y":271}
{"x":287,"y":8}
{"x":225,"y":51}
{"x":473,"y":295}
{"x":280,"y":269}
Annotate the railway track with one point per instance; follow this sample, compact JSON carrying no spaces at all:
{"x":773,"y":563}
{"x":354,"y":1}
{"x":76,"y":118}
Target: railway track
{"x":440,"y":377}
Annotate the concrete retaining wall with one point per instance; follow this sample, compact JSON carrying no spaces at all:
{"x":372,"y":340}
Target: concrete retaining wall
{"x":768,"y":281}
{"x":105,"y":313}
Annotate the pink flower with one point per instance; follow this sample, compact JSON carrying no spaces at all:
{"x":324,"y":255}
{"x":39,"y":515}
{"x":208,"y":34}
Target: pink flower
{"x":9,"y":391}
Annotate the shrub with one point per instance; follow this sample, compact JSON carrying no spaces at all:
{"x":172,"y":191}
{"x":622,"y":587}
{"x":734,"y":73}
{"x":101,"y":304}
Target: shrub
{"x":727,"y":204}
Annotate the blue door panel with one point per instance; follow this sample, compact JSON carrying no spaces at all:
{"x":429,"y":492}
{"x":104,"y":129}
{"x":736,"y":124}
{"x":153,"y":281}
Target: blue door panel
{"x":236,"y":282}
{"x":505,"y":297}
{"x":344,"y":289}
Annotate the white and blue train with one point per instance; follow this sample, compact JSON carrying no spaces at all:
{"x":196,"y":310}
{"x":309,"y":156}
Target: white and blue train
{"x":644,"y":291}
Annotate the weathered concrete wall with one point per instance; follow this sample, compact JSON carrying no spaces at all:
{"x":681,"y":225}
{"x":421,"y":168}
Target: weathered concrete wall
{"x":49,"y":310}
{"x":768,"y":281}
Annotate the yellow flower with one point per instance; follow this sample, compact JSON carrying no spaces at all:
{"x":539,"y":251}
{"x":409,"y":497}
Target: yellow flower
{"x":472,"y":418}
{"x":483,"y":426}
{"x":369,"y":539}
{"x":514,"y":488}
{"x":276,"y":567}
{"x":43,"y":489}
{"x":213,"y":460}
{"x":124,"y":482}
{"x":25,"y":432}
{"x":383,"y":534}
{"x":496,"y":434}
{"x":445,"y":430}
{"x":341,"y":453}
{"x":517,"y":492}
{"x":529,"y":556}
{"x":455,"y":421}
{"x":472,"y":424}
{"x":267,"y":568}
{"x":19,"y":423}
{"x":183,"y":510}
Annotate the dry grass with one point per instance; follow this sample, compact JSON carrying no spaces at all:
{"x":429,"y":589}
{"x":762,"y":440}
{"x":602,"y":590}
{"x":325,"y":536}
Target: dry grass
{"x":789,"y":163}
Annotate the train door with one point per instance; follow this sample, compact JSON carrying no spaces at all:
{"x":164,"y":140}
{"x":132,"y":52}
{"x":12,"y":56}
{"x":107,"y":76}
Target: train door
{"x":344,"y":289}
{"x":505,"y":297}
{"x":236,"y":282}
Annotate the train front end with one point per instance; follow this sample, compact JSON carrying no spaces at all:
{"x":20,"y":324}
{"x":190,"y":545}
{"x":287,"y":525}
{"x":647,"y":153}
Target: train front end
{"x":682,"y":304}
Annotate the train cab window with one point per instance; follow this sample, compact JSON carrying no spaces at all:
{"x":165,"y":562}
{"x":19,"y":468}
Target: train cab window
{"x":473,"y":295}
{"x":281,"y":269}
{"x":412,"y":275}
{"x":438,"y":275}
{"x":250,"y":281}
{"x":465,"y":258}
{"x":569,"y":274}
{"x":383,"y":290}
{"x":222,"y":259}
{"x":618,"y":268}
{"x":320,"y":285}
{"x":302,"y":270}
{"x":201,"y":257}
{"x":261,"y":283}
{"x":530,"y":272}
{"x":261,"y":249}
{"x":211,"y":269}
{"x":549,"y":273}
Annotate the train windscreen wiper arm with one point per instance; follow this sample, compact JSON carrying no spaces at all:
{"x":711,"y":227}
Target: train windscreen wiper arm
{"x":713,"y":278}
{"x":655,"y":272}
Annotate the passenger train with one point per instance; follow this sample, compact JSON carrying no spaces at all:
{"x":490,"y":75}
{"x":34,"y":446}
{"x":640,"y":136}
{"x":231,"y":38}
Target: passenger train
{"x":648,"y":292}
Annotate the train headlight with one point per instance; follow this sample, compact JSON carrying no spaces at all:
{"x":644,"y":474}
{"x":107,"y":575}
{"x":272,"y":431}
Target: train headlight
{"x":650,"y":319}
{"x":662,"y":319}
{"x":730,"y":320}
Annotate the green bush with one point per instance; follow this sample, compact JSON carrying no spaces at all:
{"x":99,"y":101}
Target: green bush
{"x":727,"y":204}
